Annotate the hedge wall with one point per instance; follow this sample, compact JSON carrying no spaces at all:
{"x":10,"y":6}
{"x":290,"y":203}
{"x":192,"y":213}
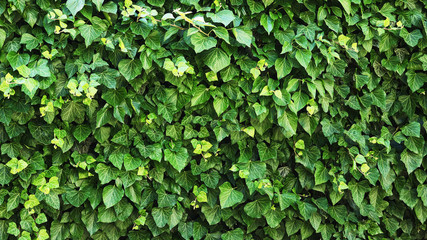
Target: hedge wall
{"x":225,"y":119}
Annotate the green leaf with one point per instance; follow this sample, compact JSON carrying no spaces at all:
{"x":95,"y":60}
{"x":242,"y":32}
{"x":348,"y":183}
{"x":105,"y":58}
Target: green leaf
{"x":265,"y":152}
{"x":111,"y":195}
{"x":30,"y":87}
{"x":339,"y":213}
{"x":413,"y":129}
{"x":202,"y":42}
{"x":169,"y":34}
{"x":115,"y":97}
{"x":258,"y":208}
{"x":16,"y":60}
{"x":130,"y":68}
{"x":236,"y":234}
{"x":98,"y":4}
{"x":41,"y":218}
{"x":98,"y":62}
{"x":75,"y":6}
{"x":243,"y":35}
{"x":90,"y":33}
{"x":30,"y":41}
{"x":391,"y":224}
{"x":166,"y":111}
{"x":16,"y":165}
{"x":81,"y":132}
{"x":5,"y":175}
{"x":368,"y":210}
{"x":303,"y":56}
{"x":267,"y":2}
{"x":161,"y":216}
{"x":179,"y":159}
{"x":42,"y":235}
{"x":152,"y":151}
{"x":2,"y":37}
{"x":12,"y":229}
{"x":422,"y":193}
{"x":210,"y":179}
{"x":154,"y":40}
{"x":299,"y":101}
{"x":24,"y":71}
{"x":283,"y":67}
{"x":321,"y":175}
{"x":416,"y":80}
{"x":90,"y":219}
{"x":11,"y":149}
{"x":229,"y":196}
{"x":140,"y":28}
{"x":411,"y":38}
{"x":421,"y":212}
{"x":289,"y":122}
{"x":333,"y":23}
{"x":408,"y":195}
{"x":41,"y":132}
{"x":186,"y":229}
{"x":58,"y":231}
{"x":250,"y":131}
{"x":175,"y":217}
{"x":358,"y":190}
{"x":103,"y":116}
{"x":256,"y":169}
{"x":41,"y":69}
{"x":106,"y":77}
{"x":216,"y":59}
{"x":14,"y":130}
{"x":411,"y":160}
{"x":73,"y":111}
{"x":165,"y":200}
{"x":274,"y":217}
{"x":346,"y":4}
{"x":355,"y":134}
{"x":186,"y":180}
{"x":287,"y":199}
{"x":222,"y":33}
{"x":199,"y":231}
{"x":106,"y":173}
{"x":200,"y":95}
{"x":117,"y":158}
{"x":212,"y":214}
{"x":76,"y":197}
{"x":224,"y":16}
{"x":293,"y":227}
{"x":306,"y":209}
{"x":259,"y":109}
{"x":267,"y":22}
{"x":220,"y":105}
{"x":174,"y":131}
{"x":387,"y":41}
{"x":13,"y":201}
{"x":255,"y":6}
{"x":308,"y":123}
{"x":131,"y":163}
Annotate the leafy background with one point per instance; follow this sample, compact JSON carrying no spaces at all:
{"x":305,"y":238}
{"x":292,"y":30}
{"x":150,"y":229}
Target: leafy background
{"x":195,"y":119}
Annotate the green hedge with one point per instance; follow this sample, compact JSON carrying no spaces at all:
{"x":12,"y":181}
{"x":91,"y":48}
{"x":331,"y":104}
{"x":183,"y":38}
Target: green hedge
{"x":197,"y":119}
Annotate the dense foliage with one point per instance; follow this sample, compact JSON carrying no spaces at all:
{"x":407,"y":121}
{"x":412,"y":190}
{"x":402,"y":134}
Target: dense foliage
{"x":197,"y":119}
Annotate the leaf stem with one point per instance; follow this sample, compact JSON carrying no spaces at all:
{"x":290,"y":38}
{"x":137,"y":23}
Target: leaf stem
{"x":349,"y":153}
{"x":173,"y":25}
{"x":191,"y":22}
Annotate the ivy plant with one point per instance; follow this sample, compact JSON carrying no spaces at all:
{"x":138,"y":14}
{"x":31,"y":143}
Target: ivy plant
{"x":225,"y":119}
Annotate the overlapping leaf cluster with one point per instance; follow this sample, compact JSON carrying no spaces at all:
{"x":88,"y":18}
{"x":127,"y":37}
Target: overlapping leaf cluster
{"x":196,"y":119}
